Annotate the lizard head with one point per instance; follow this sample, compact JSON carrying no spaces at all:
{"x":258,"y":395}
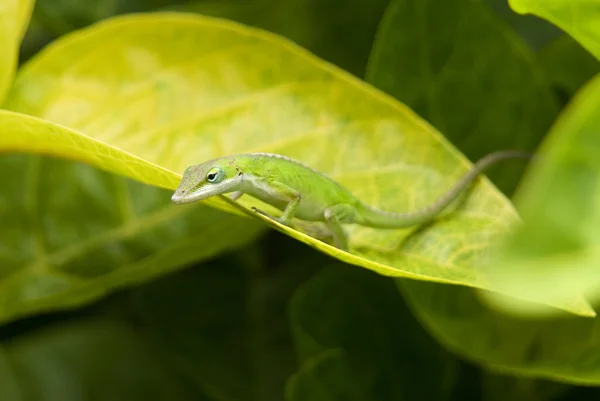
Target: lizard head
{"x":201,"y":181}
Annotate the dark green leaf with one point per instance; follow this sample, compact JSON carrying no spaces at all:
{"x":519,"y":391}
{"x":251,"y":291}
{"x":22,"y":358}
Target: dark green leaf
{"x":568,"y":65}
{"x":225,"y":324}
{"x":464,"y":70}
{"x":501,"y":388}
{"x":72,"y":233}
{"x":535,"y":31}
{"x":328,"y":377}
{"x":351,"y":326}
{"x":97,"y":359}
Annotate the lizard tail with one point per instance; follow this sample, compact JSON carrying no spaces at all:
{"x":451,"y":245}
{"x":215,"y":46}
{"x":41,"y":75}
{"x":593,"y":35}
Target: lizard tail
{"x":381,"y":219}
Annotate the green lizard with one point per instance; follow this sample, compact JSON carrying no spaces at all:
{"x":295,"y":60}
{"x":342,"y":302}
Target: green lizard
{"x":303,"y":192}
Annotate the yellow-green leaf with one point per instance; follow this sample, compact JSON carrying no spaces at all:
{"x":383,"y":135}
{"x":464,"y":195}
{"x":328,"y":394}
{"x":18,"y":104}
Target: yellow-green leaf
{"x":580,"y":18}
{"x":561,"y":350}
{"x":556,"y":253}
{"x":176,"y":89}
{"x":14,"y":17}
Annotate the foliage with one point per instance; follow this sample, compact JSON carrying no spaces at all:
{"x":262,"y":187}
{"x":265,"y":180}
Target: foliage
{"x":204,"y":301}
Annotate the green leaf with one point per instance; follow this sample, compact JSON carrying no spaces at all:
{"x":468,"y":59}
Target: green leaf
{"x":449,"y":87}
{"x":342,"y":32}
{"x":72,"y":233}
{"x":536,"y":32}
{"x":502,"y":388}
{"x":463,"y":69}
{"x":224,"y":323}
{"x":567,"y":65}
{"x":95,"y":359}
{"x":556,"y":253}
{"x":562,"y":350}
{"x":327,"y":377}
{"x":342,"y":35}
{"x":24,"y":133}
{"x":357,"y":341}
{"x":176,"y":89}
{"x":579,"y":18}
{"x":14,"y":17}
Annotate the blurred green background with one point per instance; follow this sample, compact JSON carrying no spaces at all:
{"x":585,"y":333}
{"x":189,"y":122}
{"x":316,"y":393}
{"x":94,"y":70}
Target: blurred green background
{"x":274,"y":319}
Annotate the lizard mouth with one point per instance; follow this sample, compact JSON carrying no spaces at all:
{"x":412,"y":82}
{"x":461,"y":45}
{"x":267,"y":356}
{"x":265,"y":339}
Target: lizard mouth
{"x":204,"y":192}
{"x":179,"y":199}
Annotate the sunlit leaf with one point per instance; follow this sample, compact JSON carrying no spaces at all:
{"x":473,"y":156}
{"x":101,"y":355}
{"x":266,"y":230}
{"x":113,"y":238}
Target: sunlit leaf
{"x":473,"y":102}
{"x":176,"y":89}
{"x":14,"y":17}
{"x":556,"y":253}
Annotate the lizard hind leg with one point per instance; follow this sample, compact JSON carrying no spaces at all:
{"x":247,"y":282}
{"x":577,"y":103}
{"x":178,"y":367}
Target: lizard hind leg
{"x":334,"y":216}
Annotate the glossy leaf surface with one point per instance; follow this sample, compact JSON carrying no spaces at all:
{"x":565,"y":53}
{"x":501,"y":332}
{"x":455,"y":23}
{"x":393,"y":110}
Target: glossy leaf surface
{"x":556,"y":253}
{"x":153,"y":101}
{"x":14,"y":17}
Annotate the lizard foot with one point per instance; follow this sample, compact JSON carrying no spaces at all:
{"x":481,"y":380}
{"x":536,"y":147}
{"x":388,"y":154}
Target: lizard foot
{"x":257,"y":210}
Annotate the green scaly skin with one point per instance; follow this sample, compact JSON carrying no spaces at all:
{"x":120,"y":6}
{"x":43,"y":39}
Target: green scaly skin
{"x":307,"y":194}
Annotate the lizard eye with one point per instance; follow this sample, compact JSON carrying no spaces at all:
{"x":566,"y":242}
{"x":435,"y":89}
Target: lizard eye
{"x":215,"y":175}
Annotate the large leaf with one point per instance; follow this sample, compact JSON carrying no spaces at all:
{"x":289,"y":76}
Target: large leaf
{"x":357,"y":341}
{"x":341,"y":31}
{"x":327,"y":377}
{"x":464,"y":70}
{"x":563,"y":350}
{"x":95,"y":359}
{"x":556,"y":253}
{"x":502,"y":387}
{"x":579,"y":18}
{"x":536,"y":32}
{"x":449,"y":87}
{"x":14,"y":16}
{"x":224,"y":323}
{"x":71,"y":233}
{"x":177,"y":89}
{"x":568,"y":66}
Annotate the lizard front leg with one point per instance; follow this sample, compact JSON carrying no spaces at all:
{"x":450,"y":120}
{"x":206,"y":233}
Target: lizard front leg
{"x":281,"y":191}
{"x":235,"y":195}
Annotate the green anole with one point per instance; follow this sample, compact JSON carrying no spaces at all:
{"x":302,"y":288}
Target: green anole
{"x":305,"y":193}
